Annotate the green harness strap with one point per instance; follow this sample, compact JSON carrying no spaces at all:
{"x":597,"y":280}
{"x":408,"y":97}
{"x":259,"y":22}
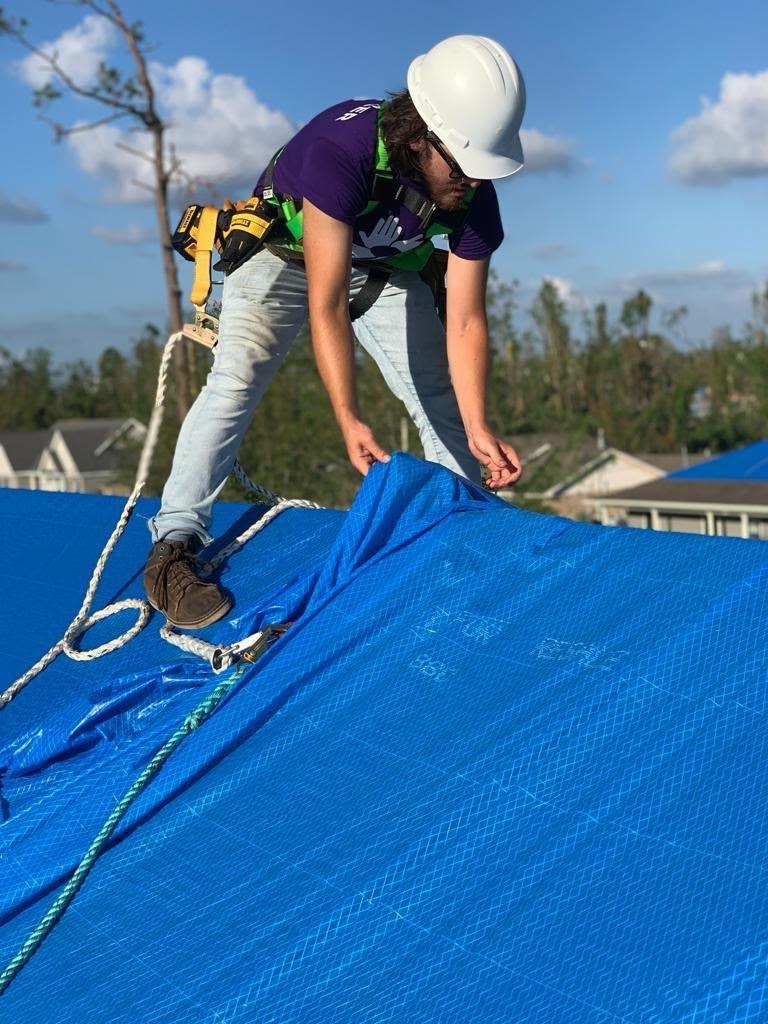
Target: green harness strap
{"x":383,"y":179}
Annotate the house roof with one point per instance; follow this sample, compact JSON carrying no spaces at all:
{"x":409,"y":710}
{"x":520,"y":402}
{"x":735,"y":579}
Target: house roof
{"x":550,"y":458}
{"x":671,"y":463}
{"x":84,"y":438}
{"x":24,"y":447}
{"x":106,"y":425}
{"x":554,"y":461}
{"x":704,"y":492}
{"x":748,"y":463}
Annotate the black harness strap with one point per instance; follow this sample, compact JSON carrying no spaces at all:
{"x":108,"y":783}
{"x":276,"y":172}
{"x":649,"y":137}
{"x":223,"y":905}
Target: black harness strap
{"x":385,"y":189}
{"x":371,"y":290}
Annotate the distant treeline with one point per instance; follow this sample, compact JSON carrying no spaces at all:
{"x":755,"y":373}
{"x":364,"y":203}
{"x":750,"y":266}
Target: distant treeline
{"x":625,"y":376}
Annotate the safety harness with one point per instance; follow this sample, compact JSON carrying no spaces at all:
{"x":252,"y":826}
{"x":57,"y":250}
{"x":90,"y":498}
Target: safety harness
{"x":276,"y":221}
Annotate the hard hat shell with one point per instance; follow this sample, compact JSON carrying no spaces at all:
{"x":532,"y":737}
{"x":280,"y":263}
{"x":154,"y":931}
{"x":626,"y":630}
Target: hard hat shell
{"x":471,"y":94}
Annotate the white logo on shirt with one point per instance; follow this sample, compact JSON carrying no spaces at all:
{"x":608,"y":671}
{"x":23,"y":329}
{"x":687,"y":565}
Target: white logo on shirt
{"x":357,"y":110}
{"x":384,"y":234}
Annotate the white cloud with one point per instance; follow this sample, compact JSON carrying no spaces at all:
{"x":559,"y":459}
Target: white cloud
{"x":728,"y":139}
{"x":546,"y":152}
{"x":133,"y":234}
{"x":221,"y":130}
{"x":568,"y":292}
{"x":12,"y":265}
{"x":78,"y":51}
{"x":221,"y":133}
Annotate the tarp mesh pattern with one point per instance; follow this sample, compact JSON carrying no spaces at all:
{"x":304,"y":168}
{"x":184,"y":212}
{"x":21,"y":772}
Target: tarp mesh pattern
{"x":503,"y":768}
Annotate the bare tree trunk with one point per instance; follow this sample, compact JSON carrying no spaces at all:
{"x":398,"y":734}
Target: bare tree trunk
{"x":173,"y":291}
{"x":161,"y":179}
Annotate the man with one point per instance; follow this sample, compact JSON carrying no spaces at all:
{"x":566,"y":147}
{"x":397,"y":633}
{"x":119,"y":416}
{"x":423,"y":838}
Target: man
{"x":358,"y":193}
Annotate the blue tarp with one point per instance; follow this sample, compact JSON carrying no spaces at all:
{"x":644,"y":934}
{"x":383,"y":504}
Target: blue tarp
{"x":749,"y":463}
{"x":503,"y":768}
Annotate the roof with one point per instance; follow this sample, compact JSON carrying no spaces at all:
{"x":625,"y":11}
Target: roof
{"x":555,"y":461}
{"x":24,"y":447}
{"x":671,"y":463}
{"x":549,"y":458}
{"x":704,"y":492}
{"x":105,"y":425}
{"x":85,"y":438}
{"x":502,"y":767}
{"x":749,"y":463}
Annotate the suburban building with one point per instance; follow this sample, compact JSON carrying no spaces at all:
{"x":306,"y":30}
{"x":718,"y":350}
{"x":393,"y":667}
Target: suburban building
{"x":569,"y":473}
{"x":73,"y":455}
{"x":726,"y":496}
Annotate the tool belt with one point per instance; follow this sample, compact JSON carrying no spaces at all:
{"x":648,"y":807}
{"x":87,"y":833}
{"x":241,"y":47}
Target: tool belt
{"x":235,"y":234}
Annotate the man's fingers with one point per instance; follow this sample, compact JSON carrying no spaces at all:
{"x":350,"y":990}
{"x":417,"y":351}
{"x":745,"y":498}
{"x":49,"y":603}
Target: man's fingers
{"x":376,"y":452}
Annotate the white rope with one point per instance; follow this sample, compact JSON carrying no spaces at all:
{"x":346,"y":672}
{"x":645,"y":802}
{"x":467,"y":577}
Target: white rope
{"x":83,"y":620}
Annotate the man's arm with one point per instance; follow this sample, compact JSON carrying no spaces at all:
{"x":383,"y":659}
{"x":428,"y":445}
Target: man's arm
{"x":328,"y":257}
{"x":467,"y":341}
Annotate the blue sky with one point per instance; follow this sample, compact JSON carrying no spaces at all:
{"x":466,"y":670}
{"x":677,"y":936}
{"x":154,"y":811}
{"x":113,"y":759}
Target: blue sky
{"x":645,"y":139}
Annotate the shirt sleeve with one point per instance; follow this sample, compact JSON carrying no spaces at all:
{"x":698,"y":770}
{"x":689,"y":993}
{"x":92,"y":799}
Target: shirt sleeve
{"x":481,"y":233}
{"x":335,"y":182}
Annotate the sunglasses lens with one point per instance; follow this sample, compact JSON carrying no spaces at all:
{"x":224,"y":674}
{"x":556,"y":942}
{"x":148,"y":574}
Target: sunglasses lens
{"x":456,"y":172}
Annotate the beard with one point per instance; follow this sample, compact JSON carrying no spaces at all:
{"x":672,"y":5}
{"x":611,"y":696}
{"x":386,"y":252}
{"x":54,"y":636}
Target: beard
{"x":448,"y":197}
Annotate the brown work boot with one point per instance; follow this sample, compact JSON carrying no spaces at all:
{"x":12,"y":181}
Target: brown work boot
{"x":173,"y":587}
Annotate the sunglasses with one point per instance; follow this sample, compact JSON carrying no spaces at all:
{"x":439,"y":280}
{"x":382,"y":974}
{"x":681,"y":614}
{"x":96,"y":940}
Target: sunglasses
{"x":456,"y":173}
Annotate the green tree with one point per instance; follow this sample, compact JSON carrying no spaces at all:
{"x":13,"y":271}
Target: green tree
{"x":77,"y":392}
{"x":549,"y":315}
{"x":27,"y":390}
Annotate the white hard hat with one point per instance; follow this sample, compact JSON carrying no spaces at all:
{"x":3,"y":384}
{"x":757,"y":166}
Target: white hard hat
{"x":471,"y":94}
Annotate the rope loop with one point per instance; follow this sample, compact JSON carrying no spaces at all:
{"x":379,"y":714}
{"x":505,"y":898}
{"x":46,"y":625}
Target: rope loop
{"x":79,"y":627}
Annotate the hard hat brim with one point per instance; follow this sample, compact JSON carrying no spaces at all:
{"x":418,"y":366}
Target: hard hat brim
{"x":479,"y":164}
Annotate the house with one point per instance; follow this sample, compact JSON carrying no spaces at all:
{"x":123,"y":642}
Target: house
{"x":20,"y":452}
{"x":726,"y":496}
{"x":568,"y":474}
{"x":73,"y":455}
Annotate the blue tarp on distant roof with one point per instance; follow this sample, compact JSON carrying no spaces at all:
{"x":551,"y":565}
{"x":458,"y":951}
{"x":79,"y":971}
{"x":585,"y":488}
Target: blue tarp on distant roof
{"x":750,"y":463}
{"x":504,"y":768}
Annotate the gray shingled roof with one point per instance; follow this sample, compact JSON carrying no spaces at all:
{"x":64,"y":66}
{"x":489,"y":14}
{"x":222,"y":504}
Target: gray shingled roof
{"x":704,"y":492}
{"x":24,"y":447}
{"x":83,"y":437}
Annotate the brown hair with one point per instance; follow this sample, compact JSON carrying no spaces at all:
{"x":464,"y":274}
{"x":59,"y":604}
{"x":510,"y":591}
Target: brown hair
{"x":401,"y":124}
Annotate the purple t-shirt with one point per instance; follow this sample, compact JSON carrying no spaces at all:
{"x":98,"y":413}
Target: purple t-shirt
{"x":331,"y":160}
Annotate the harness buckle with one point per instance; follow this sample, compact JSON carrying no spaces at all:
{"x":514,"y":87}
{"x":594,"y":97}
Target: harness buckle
{"x":205,"y":329}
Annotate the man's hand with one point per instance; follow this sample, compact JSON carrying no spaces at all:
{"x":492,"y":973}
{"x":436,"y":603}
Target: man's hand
{"x":362,"y":447}
{"x":500,"y":458}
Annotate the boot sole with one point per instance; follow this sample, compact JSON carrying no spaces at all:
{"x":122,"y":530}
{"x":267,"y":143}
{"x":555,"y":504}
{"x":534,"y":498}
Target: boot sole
{"x":214,"y":616}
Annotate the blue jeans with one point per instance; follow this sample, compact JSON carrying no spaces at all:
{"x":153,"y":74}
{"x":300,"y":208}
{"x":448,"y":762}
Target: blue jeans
{"x":264,"y":306}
